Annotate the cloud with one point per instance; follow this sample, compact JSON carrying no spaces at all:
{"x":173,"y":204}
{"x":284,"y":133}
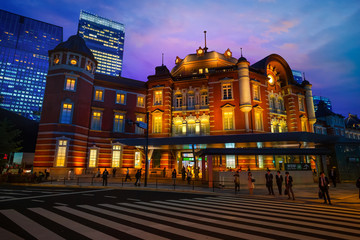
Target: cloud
{"x":281,"y":27}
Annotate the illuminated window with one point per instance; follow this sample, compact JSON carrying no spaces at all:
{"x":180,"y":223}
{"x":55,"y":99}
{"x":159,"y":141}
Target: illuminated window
{"x":157,"y":124}
{"x":73,"y":61}
{"x":228,"y":120}
{"x":205,"y":127}
{"x":178,"y":126}
{"x":96,"y":120}
{"x":204,"y":99}
{"x":178,"y":102}
{"x":230,"y":159}
{"x":201,"y":71}
{"x":70,"y":84}
{"x":116,"y":154}
{"x":120,"y":98}
{"x":256,"y":92}
{"x":118,"y":122}
{"x":139,"y":130}
{"x":158,"y":98}
{"x":137,"y":162}
{"x":61,"y":153}
{"x":191,"y":127}
{"x":99,"y":95}
{"x":66,"y":113}
{"x":93,"y":155}
{"x":304,"y":126}
{"x":227,"y":91}
{"x":301,"y":104}
{"x":140,"y":101}
{"x":258,"y":120}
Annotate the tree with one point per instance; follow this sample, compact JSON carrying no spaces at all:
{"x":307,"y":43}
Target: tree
{"x":9,"y":139}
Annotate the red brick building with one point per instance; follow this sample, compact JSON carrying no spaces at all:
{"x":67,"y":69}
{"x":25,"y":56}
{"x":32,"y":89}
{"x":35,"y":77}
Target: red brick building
{"x":87,"y":119}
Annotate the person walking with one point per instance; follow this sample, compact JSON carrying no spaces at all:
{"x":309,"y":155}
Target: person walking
{"x":288,"y":185}
{"x":138,"y":178}
{"x":164,"y":172}
{"x":358,"y":185}
{"x":98,"y":173}
{"x":173,"y":176}
{"x":183,"y":173}
{"x":189,"y":176}
{"x":105,"y":177}
{"x":279,"y":181}
{"x":114,"y":172}
{"x":127,"y":175}
{"x":251,"y":184}
{"x":269,"y":182}
{"x":332,"y":176}
{"x":237,"y":182}
{"x":324,"y":187}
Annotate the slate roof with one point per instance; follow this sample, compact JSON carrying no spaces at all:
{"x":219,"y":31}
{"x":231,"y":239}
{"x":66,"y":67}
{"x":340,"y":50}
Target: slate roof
{"x":76,"y":44}
{"x":121,"y":81}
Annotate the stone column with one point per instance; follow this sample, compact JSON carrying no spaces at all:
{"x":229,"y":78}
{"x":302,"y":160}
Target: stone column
{"x":244,"y":89}
{"x":310,"y":106}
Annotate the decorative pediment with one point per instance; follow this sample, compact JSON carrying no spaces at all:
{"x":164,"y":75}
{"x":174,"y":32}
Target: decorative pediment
{"x":228,"y":105}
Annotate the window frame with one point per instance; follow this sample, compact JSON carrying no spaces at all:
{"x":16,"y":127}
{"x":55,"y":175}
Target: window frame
{"x":228,"y":90}
{"x":116,"y":97}
{"x":66,"y":81}
{"x":96,"y":157}
{"x":142,"y":105}
{"x":116,"y":147}
{"x":57,"y":151}
{"x":69,"y":102}
{"x":122,"y":124}
{"x":102,"y":96}
{"x":92,"y":119}
{"x":158,"y":100}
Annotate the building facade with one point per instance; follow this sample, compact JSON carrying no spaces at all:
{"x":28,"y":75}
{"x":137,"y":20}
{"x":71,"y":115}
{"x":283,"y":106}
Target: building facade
{"x":105,"y":38}
{"x":24,"y":45}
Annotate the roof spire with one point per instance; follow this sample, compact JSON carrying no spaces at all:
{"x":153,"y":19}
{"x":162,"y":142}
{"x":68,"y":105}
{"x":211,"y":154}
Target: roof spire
{"x":162,"y":60}
{"x":304,"y":75}
{"x":241,"y":51}
{"x":205,"y":42}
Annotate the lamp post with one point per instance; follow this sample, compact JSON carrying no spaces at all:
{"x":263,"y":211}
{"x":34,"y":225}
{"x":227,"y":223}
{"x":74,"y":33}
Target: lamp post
{"x":147,"y":149}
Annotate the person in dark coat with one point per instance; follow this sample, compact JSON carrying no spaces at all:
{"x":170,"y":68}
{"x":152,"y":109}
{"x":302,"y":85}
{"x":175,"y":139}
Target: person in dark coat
{"x":324,"y":187}
{"x":183,"y":173}
{"x":332,"y":176}
{"x":288,"y":185}
{"x":105,"y":177}
{"x":127,"y":175}
{"x":269,"y":182}
{"x":358,"y":185}
{"x":237,"y":182}
{"x":138,"y":177}
{"x":114,"y":172}
{"x":279,"y":181}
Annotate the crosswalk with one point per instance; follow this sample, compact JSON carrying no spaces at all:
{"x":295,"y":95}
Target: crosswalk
{"x":11,"y":194}
{"x":214,"y":217}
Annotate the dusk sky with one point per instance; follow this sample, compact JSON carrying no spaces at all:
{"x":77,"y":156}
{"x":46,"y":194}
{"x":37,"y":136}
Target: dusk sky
{"x":320,"y":38}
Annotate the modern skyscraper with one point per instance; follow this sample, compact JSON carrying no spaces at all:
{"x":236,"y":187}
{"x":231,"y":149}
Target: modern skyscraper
{"x":24,"y":61}
{"x":297,"y":76}
{"x":105,"y":38}
{"x":326,"y":100}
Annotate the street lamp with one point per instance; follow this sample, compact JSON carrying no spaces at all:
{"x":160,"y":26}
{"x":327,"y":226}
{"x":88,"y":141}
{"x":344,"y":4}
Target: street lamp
{"x":146,"y":127}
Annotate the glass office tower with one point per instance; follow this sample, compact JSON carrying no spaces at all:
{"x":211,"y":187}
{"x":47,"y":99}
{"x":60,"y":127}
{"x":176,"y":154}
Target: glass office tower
{"x":105,"y":38}
{"x":297,"y":76}
{"x":317,"y":99}
{"x":24,"y":45}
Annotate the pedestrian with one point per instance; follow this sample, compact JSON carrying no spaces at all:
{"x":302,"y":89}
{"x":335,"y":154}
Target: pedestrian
{"x":138,"y":178}
{"x":105,"y":177}
{"x":358,"y":185}
{"x":288,"y":185}
{"x":69,"y":175}
{"x":189,"y":176}
{"x":47,"y":173}
{"x":332,"y":176}
{"x":279,"y":181}
{"x":173,"y":176}
{"x":269,"y":182}
{"x":251,"y":183}
{"x":98,"y":173}
{"x":127,"y":175}
{"x":237,"y":182}
{"x":114,"y":172}
{"x":324,"y":187}
{"x":164,"y":172}
{"x":183,"y":173}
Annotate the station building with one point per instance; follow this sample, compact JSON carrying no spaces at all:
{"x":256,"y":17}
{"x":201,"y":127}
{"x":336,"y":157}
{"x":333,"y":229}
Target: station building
{"x":211,"y":112}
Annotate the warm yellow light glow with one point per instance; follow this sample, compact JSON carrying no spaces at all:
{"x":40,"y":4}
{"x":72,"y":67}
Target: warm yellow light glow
{"x":73,"y":61}
{"x":88,"y":67}
{"x":56,"y":60}
{"x":271,"y":79}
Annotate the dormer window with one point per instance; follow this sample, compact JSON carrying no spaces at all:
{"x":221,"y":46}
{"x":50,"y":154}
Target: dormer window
{"x":200,"y":52}
{"x":73,"y":61}
{"x":228,"y":53}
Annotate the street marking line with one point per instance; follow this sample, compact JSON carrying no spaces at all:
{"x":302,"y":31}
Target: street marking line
{"x":30,"y":226}
{"x":152,"y":224}
{"x":278,"y":209}
{"x":76,"y":227}
{"x":264,"y":220}
{"x":61,"y":204}
{"x":9,"y":235}
{"x":35,"y":200}
{"x":57,"y":194}
{"x":88,"y":194}
{"x":6,"y":197}
{"x":133,"y":199}
{"x":177,"y":220}
{"x":117,"y":226}
{"x":349,"y":196}
{"x":110,"y":196}
{"x":294,"y":205}
{"x":16,"y":194}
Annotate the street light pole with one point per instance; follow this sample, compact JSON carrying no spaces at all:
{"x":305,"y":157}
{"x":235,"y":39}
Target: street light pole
{"x":147,"y":149}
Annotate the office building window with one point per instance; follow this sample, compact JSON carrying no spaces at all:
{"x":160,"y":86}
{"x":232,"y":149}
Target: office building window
{"x":116,"y":154}
{"x":66,"y":113}
{"x":140,"y":101}
{"x":96,"y":120}
{"x":99,"y":95}
{"x":157,"y":124}
{"x":204,"y":99}
{"x":93,"y":156}
{"x":118,"y":122}
{"x":137,"y":162}
{"x":120,"y":98}
{"x":158,"y":97}
{"x":61,"y":153}
{"x":228,"y":120}
{"x":70,"y":84}
{"x":227,"y":91}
